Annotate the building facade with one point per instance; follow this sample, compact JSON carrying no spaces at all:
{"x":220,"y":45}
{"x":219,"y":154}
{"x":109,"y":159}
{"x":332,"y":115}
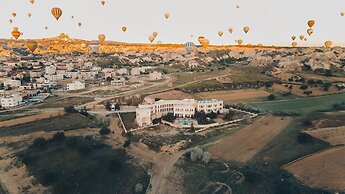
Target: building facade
{"x":8,"y":101}
{"x":146,"y":113}
{"x":77,"y":85}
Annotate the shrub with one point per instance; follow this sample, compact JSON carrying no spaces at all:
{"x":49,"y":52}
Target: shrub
{"x":104,"y":131}
{"x":40,"y":143}
{"x":206,"y":157}
{"x":228,"y":116}
{"x":303,"y":138}
{"x":271,"y":97}
{"x":84,"y":150}
{"x":49,"y":178}
{"x":72,"y":143}
{"x":127,"y":143}
{"x":59,"y":136}
{"x":196,"y":154}
{"x":114,"y":166}
{"x":304,"y":87}
{"x":70,"y":109}
{"x":139,"y":188}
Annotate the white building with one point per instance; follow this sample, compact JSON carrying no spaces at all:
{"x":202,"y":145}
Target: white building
{"x":77,"y":85}
{"x":122,"y":71}
{"x":155,"y":75}
{"x":145,"y":113}
{"x":12,"y":83}
{"x":118,"y":82}
{"x":50,"y":70}
{"x":8,"y":101}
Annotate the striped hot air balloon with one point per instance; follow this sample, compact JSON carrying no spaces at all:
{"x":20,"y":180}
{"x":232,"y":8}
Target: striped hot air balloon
{"x":189,"y":46}
{"x":56,"y":12}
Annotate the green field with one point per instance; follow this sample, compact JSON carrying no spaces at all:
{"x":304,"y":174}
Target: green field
{"x":302,"y":105}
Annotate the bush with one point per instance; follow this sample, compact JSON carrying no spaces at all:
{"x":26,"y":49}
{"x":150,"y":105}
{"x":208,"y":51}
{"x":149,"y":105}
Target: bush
{"x":303,"y":138}
{"x":196,"y":154}
{"x":59,"y":136}
{"x":206,"y":157}
{"x":104,"y":131}
{"x":108,"y":105}
{"x":228,"y":116}
{"x":84,"y":150}
{"x":127,"y":143}
{"x":40,"y":143}
{"x":139,"y":188}
{"x":70,"y":109}
{"x":72,"y":143}
{"x":304,"y":87}
{"x":114,"y":166}
{"x":49,"y":178}
{"x":271,"y":97}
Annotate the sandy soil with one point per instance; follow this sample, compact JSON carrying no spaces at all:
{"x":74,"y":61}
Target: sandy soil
{"x":28,"y":119}
{"x":316,"y":91}
{"x":325,"y":170}
{"x":233,"y":95}
{"x":333,"y":135}
{"x":171,"y":95}
{"x":245,"y":143}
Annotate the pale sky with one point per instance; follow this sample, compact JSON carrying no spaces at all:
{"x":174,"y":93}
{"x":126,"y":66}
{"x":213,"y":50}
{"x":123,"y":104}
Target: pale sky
{"x":271,"y":22}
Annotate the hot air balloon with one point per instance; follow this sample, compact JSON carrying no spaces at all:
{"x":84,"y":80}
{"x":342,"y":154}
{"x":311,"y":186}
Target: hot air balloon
{"x":310,"y":31}
{"x":293,"y":37}
{"x":342,"y":13}
{"x":94,"y":46}
{"x":101,"y":38}
{"x":83,"y":45}
{"x":205,"y":43}
{"x":201,"y":39}
{"x":237,"y":7}
{"x":10,"y":21}
{"x":166,"y":15}
{"x":32,"y":1}
{"x":46,"y":28}
{"x":246,"y":29}
{"x":103,"y":2}
{"x":79,"y":24}
{"x":155,"y":34}
{"x":15,"y":33}
{"x":151,"y":38}
{"x":56,"y":12}
{"x":220,"y":33}
{"x":189,"y":46}
{"x":301,"y":37}
{"x":32,"y":45}
{"x":29,"y":14}
{"x":239,"y":42}
{"x":311,"y":23}
{"x":294,"y":44}
{"x":328,"y":44}
{"x":14,"y":14}
{"x":124,"y":28}
{"x":230,"y":30}
{"x":72,"y":17}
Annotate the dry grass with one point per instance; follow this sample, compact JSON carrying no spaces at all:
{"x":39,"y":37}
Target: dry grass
{"x":234,"y":95}
{"x":333,"y":135}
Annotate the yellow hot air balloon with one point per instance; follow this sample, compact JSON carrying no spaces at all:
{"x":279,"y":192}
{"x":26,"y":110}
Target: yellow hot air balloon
{"x":328,"y":44}
{"x":32,"y":45}
{"x":294,"y":44}
{"x":79,"y":24}
{"x":301,"y":37}
{"x":56,"y":12}
{"x":155,"y":34}
{"x":101,"y":38}
{"x":103,"y":2}
{"x":220,"y":33}
{"x":14,"y":14}
{"x":124,"y":28}
{"x":293,"y":37}
{"x":205,"y":43}
{"x":310,"y":31}
{"x":15,"y":33}
{"x":342,"y":13}
{"x":166,"y":15}
{"x":311,"y":23}
{"x":239,"y":42}
{"x":29,"y":14}
{"x":246,"y":29}
{"x":151,"y":38}
{"x":230,"y":30}
{"x":32,"y":1}
{"x":83,"y":45}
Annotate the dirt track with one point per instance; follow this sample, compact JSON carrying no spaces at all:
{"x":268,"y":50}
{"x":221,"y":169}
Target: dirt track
{"x":325,"y":170}
{"x":245,"y":143}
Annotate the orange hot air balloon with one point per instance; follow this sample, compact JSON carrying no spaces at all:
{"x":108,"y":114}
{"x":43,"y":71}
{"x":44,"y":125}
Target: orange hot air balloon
{"x":328,"y":44}
{"x":151,"y":38}
{"x":101,"y":38}
{"x":310,"y":31}
{"x":230,"y":30}
{"x":56,"y":12}
{"x":14,"y":14}
{"x":246,"y":29}
{"x":103,"y":2}
{"x":201,"y":39}
{"x":205,"y":43}
{"x":79,"y":24}
{"x":294,"y":44}
{"x":166,"y":15}
{"x":301,"y":37}
{"x":155,"y":34}
{"x":15,"y":33}
{"x":220,"y":33}
{"x":29,"y":14}
{"x":32,"y":45}
{"x":342,"y":13}
{"x":293,"y":37}
{"x":311,"y":23}
{"x":124,"y":28}
{"x":32,"y":1}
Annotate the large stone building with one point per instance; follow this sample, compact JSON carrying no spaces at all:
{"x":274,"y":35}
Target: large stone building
{"x":145,"y":113}
{"x":77,"y":85}
{"x":8,"y":99}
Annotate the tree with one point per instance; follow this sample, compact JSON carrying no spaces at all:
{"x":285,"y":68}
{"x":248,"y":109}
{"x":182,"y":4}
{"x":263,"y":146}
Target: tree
{"x":229,"y":116}
{"x":59,"y":136}
{"x":127,"y":143}
{"x":246,"y":119}
{"x":70,"y":109}
{"x":40,"y":143}
{"x":108,"y":105}
{"x":117,"y":106}
{"x":271,"y":97}
{"x":72,"y":142}
{"x":139,"y":188}
{"x":114,"y":166}
{"x":49,"y":178}
{"x":84,"y":150}
{"x":104,"y":131}
{"x":196,"y":154}
{"x":206,"y":157}
{"x":304,"y":87}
